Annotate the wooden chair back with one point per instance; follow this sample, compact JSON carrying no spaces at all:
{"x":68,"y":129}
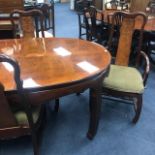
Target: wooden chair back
{"x":126,"y":22}
{"x":30,"y":22}
{"x":90,"y":18}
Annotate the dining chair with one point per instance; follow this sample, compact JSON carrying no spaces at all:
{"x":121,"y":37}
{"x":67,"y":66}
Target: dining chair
{"x":95,"y":29}
{"x":124,"y":5}
{"x":49,"y":16}
{"x":81,"y":25}
{"x":80,"y":5}
{"x":124,"y":81}
{"x":18,"y":115}
{"x":30,"y":23}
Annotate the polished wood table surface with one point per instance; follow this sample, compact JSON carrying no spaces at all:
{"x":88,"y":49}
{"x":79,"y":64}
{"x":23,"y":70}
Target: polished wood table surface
{"x":54,"y":67}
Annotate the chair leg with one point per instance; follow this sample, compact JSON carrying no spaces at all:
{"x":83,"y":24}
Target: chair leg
{"x":56,"y":108}
{"x":35,"y":144}
{"x":138,"y":108}
{"x":80,"y":32}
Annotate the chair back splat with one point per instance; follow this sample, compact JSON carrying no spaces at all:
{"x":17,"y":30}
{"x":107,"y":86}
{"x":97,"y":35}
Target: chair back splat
{"x":30,"y":23}
{"x":126,"y":23}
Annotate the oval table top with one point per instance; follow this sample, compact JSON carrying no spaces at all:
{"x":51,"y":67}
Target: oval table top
{"x":52,"y":62}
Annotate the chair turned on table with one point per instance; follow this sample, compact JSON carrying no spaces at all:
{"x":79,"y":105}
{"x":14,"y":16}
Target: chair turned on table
{"x":18,"y":117}
{"x":30,"y":23}
{"x":124,"y":81}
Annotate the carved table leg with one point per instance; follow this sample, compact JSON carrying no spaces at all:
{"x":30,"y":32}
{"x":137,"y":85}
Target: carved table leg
{"x":95,"y":104}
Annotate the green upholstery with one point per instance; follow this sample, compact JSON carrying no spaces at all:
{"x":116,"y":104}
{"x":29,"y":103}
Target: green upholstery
{"x":22,"y":118}
{"x":123,"y":78}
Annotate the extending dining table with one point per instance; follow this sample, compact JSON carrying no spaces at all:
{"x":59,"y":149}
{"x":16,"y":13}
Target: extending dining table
{"x":55,"y":67}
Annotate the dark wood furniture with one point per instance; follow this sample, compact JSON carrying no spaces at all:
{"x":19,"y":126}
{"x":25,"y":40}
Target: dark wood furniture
{"x":6,"y":29}
{"x":126,"y":82}
{"x":112,"y":5}
{"x":7,"y":6}
{"x":82,"y":25}
{"x":54,"y":67}
{"x":30,"y":23}
{"x":49,"y":15}
{"x":79,"y":5}
{"x":18,"y":118}
{"x":150,"y":44}
{"x":98,"y":4}
{"x":149,"y":26}
{"x":95,"y":29}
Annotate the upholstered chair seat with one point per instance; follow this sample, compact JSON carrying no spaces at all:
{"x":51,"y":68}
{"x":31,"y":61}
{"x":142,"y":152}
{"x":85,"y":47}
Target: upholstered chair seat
{"x":124,"y":78}
{"x":21,"y":117}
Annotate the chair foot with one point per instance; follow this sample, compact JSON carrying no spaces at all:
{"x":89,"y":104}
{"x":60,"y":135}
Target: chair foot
{"x":78,"y":94}
{"x":56,"y":108}
{"x":138,"y":108}
{"x":36,"y":144}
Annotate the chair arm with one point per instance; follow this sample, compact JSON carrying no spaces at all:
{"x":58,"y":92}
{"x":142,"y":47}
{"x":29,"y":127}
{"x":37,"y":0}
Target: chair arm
{"x":146,"y":66}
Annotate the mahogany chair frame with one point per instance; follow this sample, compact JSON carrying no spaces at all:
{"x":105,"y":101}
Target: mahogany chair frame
{"x":83,"y":4}
{"x":12,"y":129}
{"x":93,"y":30}
{"x":140,"y":56}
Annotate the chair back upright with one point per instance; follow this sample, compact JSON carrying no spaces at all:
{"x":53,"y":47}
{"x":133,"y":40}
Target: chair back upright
{"x":30,"y":23}
{"x":90,"y":14}
{"x":90,"y":21}
{"x":126,"y":22}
